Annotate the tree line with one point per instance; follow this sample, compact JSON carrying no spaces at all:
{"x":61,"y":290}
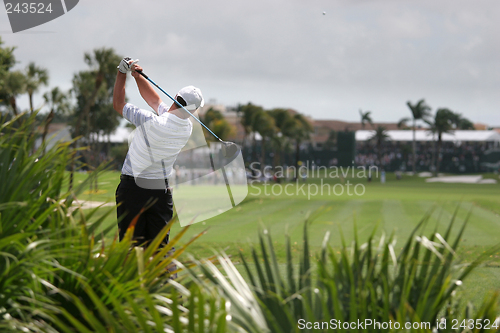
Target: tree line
{"x":279,"y":128}
{"x":87,"y":107}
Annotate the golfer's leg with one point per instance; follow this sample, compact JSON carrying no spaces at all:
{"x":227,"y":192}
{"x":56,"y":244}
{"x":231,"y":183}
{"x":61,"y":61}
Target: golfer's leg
{"x":121,"y":214}
{"x":159,"y":215}
{"x":132,"y":199}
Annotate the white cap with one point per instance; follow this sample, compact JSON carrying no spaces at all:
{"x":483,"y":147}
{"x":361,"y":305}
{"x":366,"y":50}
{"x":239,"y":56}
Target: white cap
{"x":192,"y":96}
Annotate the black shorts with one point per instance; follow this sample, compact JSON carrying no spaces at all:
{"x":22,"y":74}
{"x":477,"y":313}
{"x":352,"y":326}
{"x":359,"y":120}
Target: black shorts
{"x":132,"y":199}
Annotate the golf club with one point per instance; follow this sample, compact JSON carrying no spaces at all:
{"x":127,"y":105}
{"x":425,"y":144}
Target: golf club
{"x":229,"y":149}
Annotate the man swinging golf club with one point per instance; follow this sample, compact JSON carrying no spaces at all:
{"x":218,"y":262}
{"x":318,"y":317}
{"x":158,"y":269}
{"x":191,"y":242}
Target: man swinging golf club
{"x":157,"y":141}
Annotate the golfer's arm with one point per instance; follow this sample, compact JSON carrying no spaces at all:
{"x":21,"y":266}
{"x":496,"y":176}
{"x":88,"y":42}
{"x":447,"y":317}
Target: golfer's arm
{"x":148,"y":93}
{"x":119,"y":92}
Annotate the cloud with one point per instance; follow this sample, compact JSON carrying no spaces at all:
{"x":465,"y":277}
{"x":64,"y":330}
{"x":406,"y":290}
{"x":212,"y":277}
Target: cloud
{"x":373,"y":54}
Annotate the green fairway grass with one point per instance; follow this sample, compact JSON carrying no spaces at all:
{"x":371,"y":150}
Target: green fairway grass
{"x":396,"y":206}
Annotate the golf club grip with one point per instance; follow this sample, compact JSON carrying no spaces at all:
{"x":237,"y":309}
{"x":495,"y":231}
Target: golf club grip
{"x":142,"y":73}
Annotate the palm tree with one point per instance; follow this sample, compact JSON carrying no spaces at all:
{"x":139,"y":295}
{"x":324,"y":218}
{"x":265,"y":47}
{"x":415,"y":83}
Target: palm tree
{"x":102,"y":64}
{"x":403,"y":123}
{"x":298,"y":130}
{"x":379,"y":137}
{"x":365,"y":118}
{"x":15,"y":85}
{"x":7,"y":58}
{"x":248,"y":121}
{"x":249,"y":112}
{"x":443,"y":122}
{"x":266,"y":127}
{"x":419,"y":111}
{"x":280,"y":141}
{"x":103,"y":69}
{"x":35,"y":77}
{"x":58,"y":104}
{"x":461,"y":123}
{"x":7,"y":61}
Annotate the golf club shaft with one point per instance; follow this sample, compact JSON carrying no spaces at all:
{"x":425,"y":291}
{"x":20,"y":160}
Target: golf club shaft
{"x":179,"y":104}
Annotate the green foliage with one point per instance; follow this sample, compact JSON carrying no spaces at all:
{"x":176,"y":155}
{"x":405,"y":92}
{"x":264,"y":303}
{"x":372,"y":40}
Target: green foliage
{"x":96,"y":117}
{"x":445,"y":121}
{"x":265,"y":124}
{"x":419,"y":111}
{"x":93,"y":89}
{"x":7,"y":61}
{"x":218,"y":124}
{"x":266,"y":127}
{"x":248,"y":119}
{"x":58,"y":104}
{"x":29,"y":202}
{"x":13,"y":85}
{"x":460,"y":122}
{"x":360,"y":281}
{"x":94,"y":112}
{"x":301,"y":128}
{"x":403,"y":123}
{"x":35,"y":77}
{"x":281,"y":142}
{"x":379,"y":137}
{"x":365,"y":118}
{"x":57,"y":101}
{"x":465,"y":124}
{"x":222,"y":128}
{"x":58,"y":275}
{"x":212,"y":115}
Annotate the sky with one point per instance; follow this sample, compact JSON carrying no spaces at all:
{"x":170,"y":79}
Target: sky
{"x":326,"y":59}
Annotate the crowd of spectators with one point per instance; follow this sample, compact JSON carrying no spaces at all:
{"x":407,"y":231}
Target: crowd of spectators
{"x":453,"y":157}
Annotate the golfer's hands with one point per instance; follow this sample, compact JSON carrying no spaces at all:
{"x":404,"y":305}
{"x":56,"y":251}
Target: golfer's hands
{"x":126,"y":65}
{"x":136,"y":68}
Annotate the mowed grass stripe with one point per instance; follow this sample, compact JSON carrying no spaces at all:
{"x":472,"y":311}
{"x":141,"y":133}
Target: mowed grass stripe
{"x":480,"y":285}
{"x":243,"y":222}
{"x":415,"y":210}
{"x":481,"y":230}
{"x":395,"y":217}
{"x":323,"y":222}
{"x":344,"y":216}
{"x":483,"y":227}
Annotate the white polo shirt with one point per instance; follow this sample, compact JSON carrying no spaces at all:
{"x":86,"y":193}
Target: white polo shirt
{"x":155,"y":143}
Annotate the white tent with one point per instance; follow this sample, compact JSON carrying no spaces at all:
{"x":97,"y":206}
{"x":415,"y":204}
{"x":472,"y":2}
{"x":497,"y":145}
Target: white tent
{"x":425,"y":135}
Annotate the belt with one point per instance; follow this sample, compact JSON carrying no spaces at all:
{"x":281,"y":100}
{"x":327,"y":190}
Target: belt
{"x":154,"y":184}
{"x":126,"y":177}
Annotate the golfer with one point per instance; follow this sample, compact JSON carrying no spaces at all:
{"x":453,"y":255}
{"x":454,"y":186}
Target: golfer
{"x":156,"y":142}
